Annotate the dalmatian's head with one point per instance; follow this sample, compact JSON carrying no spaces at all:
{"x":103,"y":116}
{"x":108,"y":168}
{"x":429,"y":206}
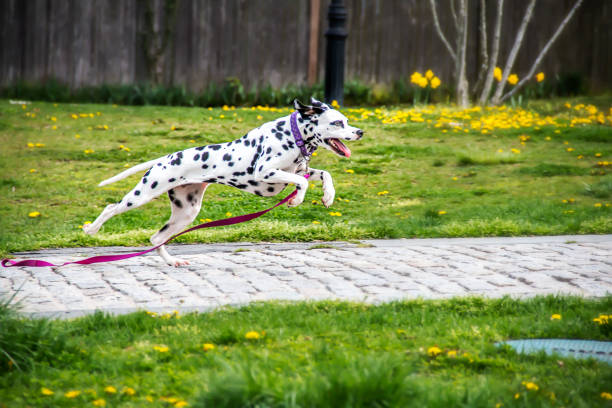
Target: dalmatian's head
{"x":328,"y":126}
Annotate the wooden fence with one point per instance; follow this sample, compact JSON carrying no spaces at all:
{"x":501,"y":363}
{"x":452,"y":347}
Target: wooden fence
{"x":91,"y":42}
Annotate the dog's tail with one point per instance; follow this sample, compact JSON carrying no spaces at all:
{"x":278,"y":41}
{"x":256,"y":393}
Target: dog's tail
{"x":129,"y":172}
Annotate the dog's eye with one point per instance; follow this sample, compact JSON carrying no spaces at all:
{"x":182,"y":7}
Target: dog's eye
{"x":337,"y":123}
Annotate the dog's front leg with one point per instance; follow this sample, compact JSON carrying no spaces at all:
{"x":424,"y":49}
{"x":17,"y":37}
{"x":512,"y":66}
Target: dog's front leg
{"x":274,"y":176}
{"x":329,"y":192}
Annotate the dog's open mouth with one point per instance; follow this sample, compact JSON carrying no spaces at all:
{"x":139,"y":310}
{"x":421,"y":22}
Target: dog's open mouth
{"x":338,"y":147}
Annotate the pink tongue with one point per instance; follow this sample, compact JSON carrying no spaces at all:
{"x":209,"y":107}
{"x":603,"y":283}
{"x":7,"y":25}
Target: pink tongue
{"x":340,"y":146}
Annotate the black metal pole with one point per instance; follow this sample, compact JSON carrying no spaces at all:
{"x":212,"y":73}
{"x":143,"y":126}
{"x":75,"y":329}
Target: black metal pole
{"x":334,"y":54}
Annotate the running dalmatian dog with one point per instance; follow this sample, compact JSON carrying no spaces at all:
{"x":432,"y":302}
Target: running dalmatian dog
{"x":262,"y":162}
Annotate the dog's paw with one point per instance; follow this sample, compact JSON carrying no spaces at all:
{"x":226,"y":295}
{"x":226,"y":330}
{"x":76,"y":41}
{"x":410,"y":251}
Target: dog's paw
{"x":90,"y":229}
{"x":295,"y":201}
{"x":176,"y":262}
{"x":328,"y":199}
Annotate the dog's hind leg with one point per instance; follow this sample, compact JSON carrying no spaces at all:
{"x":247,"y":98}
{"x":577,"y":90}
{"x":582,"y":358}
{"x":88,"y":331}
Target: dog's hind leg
{"x":145,"y":191}
{"x":186,"y":202}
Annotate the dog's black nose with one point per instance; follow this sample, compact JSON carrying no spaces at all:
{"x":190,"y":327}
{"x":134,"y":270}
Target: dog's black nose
{"x":359,"y":133}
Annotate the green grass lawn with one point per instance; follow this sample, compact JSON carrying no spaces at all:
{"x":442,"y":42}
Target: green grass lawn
{"x":418,"y":172}
{"x":327,"y":354}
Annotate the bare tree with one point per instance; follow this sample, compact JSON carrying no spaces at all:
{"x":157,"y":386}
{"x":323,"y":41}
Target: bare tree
{"x":489,"y":62}
{"x":158,"y":33}
{"x":459,"y":53}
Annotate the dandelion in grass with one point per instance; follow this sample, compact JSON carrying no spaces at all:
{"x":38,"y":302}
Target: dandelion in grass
{"x":161,"y":349}
{"x":34,"y":214}
{"x":100,"y":402}
{"x":540,"y":76}
{"x":180,"y":404}
{"x":335,"y":104}
{"x":32,"y":170}
{"x":208,"y":346}
{"x":441,"y":212}
{"x":316,"y":222}
{"x":381,"y":193}
{"x":434,"y":351}
{"x":531,"y":386}
{"x":72,"y":394}
{"x":128,"y":391}
{"x":335,"y":214}
{"x":110,"y":389}
{"x":452,"y":353}
{"x":259,"y":117}
{"x":515,"y":151}
{"x":597,"y":154}
{"x":46,"y":391}
{"x":517,"y":396}
{"x":252,"y":335}
{"x":205,"y":220}
{"x":512,"y":79}
{"x":597,"y":205}
{"x":555,"y":316}
{"x":228,"y":214}
{"x":606,"y":395}
{"x":350,"y":171}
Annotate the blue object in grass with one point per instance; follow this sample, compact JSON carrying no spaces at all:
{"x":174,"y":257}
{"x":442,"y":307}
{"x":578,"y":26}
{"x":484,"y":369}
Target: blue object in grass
{"x":601,"y":350}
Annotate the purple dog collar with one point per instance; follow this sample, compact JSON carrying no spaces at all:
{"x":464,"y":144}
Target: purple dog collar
{"x":298,"y":136}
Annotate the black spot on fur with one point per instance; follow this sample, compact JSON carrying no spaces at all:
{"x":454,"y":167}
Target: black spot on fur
{"x":247,"y":143}
{"x":205,"y":156}
{"x":253,"y":182}
{"x":129,"y":204}
{"x":172,"y":180}
{"x":196,"y":157}
{"x":199,"y":149}
{"x":190,"y":197}
{"x":268,"y":150}
{"x":250,"y":170}
{"x":231,"y":164}
{"x":205,"y":166}
{"x":137,"y":192}
{"x":165,"y":227}
{"x":227,"y":157}
{"x":279,"y":136}
{"x":154,"y":184}
{"x":270,"y":189}
{"x":214,"y":147}
{"x":178,"y":203}
{"x":144,"y":180}
{"x":147,"y":173}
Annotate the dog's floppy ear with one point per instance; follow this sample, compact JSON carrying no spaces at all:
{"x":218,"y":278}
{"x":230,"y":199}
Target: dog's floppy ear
{"x":304,"y":110}
{"x":318,"y":106}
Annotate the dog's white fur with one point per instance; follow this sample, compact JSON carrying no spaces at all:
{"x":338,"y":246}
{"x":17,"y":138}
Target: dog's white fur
{"x":263,"y":162}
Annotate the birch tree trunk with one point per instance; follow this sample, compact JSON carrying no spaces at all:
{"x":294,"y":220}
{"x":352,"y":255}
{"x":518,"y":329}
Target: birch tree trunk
{"x":543,"y":53}
{"x":520,"y":35}
{"x":484,"y":54}
{"x":486,"y":90}
{"x":463,"y":92}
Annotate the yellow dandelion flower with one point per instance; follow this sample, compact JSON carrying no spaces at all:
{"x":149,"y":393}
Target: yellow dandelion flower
{"x":606,"y":395}
{"x":191,"y":141}
{"x":351,"y":171}
{"x":161,"y":349}
{"x":32,"y":170}
{"x":72,"y":394}
{"x":40,"y":145}
{"x":435,"y":82}
{"x":434,"y":351}
{"x":531,"y":386}
{"x":452,"y":353}
{"x":334,"y":104}
{"x":415,"y":78}
{"x":497,"y":74}
{"x":316,"y":222}
{"x":513,"y":79}
{"x":384,"y":192}
{"x":77,"y":136}
{"x":597,"y":205}
{"x":517,"y":395}
{"x":441,"y":212}
{"x":555,"y":316}
{"x":597,"y":154}
{"x":228,"y":214}
{"x":105,"y":127}
{"x":110,"y":389}
{"x":46,"y":391}
{"x":252,"y":335}
{"x":180,"y":404}
{"x":515,"y":151}
{"x":429,"y":74}
{"x":208,"y":346}
{"x":100,"y":402}
{"x":74,"y":116}
{"x":53,"y":119}
{"x":259,"y":117}
{"x":128,"y":391}
{"x":34,"y":214}
{"x":540,"y":76}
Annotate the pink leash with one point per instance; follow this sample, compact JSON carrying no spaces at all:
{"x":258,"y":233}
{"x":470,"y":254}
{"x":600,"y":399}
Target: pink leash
{"x":7,"y":263}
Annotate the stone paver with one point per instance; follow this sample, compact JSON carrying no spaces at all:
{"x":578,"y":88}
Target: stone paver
{"x":373,"y":271}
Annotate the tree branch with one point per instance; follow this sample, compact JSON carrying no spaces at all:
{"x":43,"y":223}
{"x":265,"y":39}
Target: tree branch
{"x":454,"y":14}
{"x":520,"y":35}
{"x":543,"y":53}
{"x":484,"y":55}
{"x":486,"y":90}
{"x":462,"y":82}
{"x":439,"y":30}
